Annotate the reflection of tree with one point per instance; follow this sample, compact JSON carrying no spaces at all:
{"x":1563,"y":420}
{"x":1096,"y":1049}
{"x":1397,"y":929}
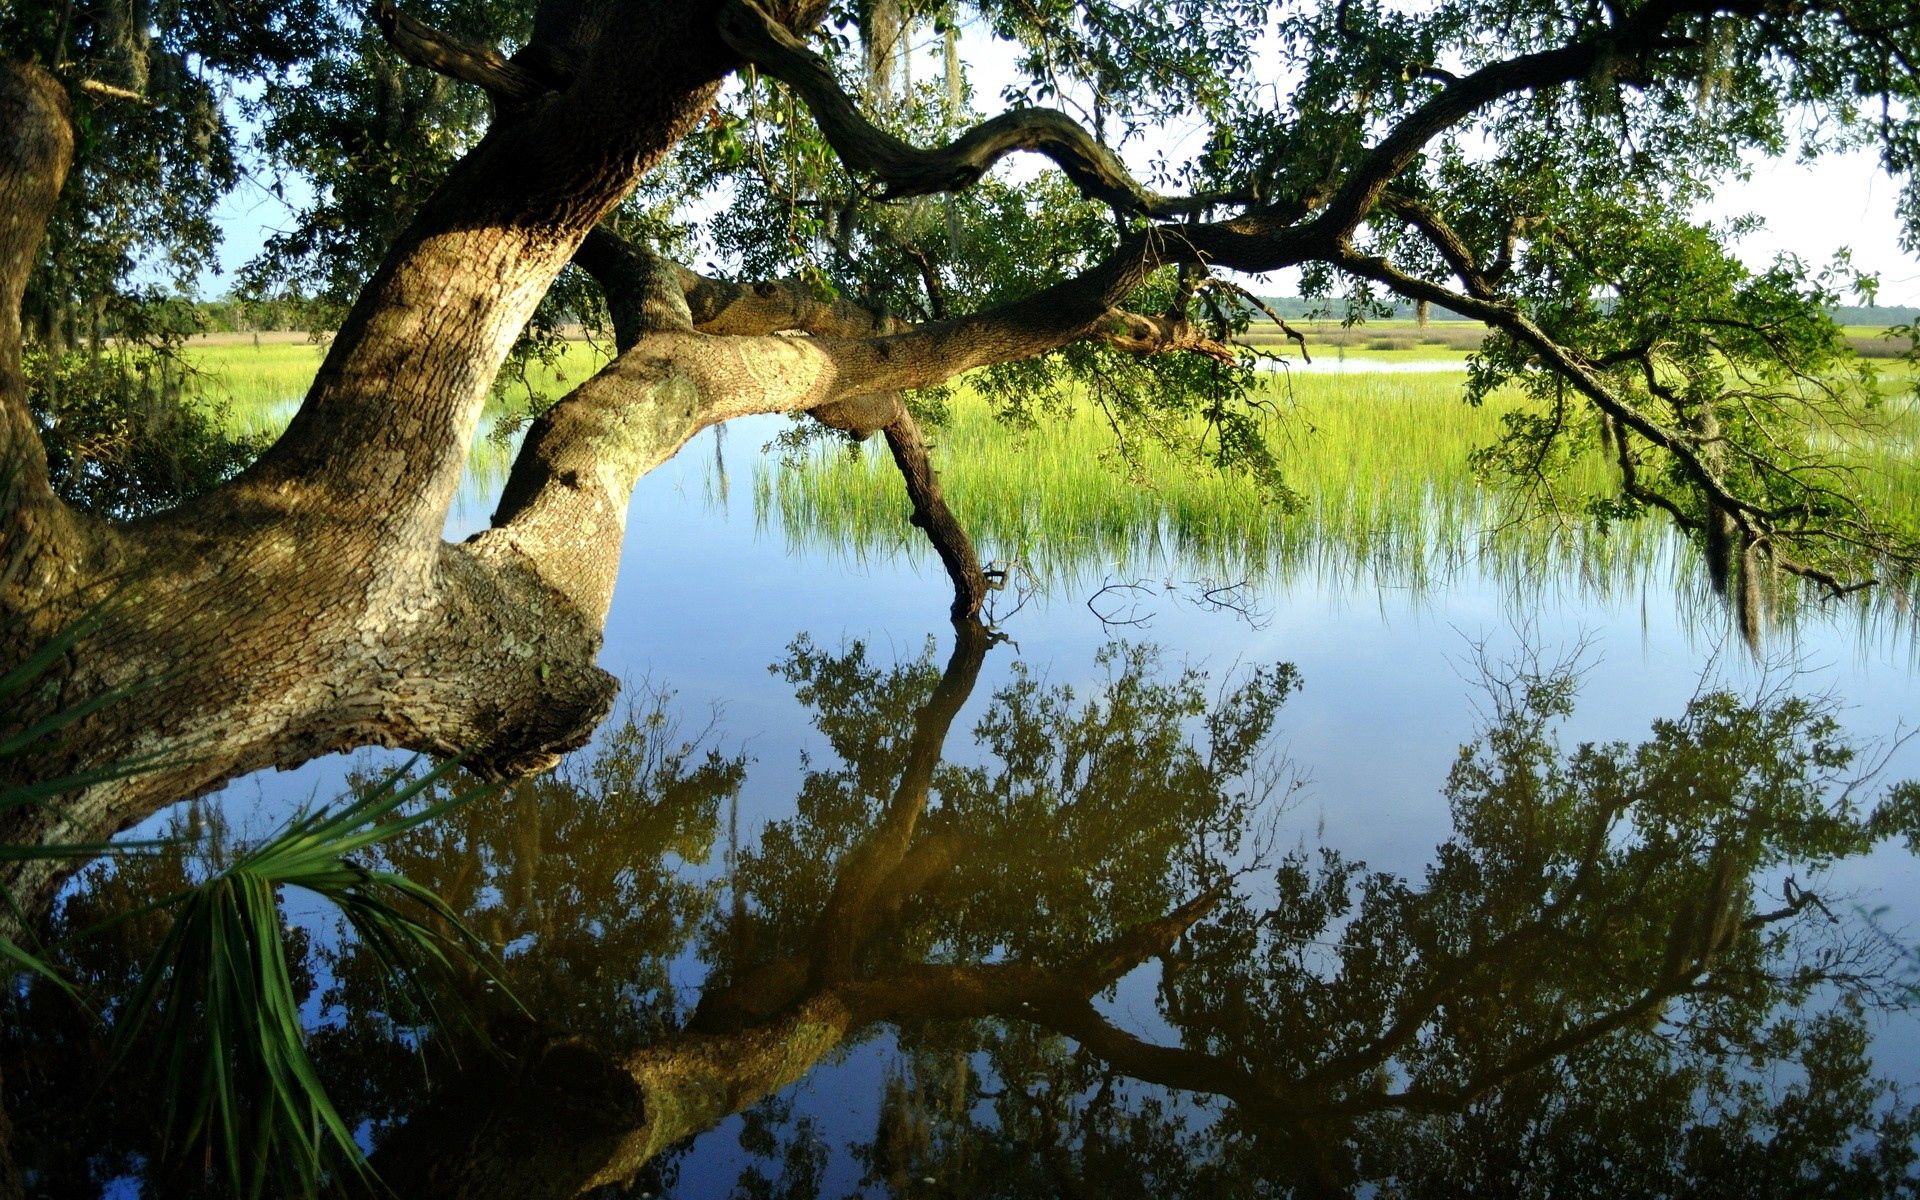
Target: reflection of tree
{"x":818,"y":957}
{"x":1614,"y":975}
{"x":578,"y":880}
{"x":1087,"y":822}
{"x":1600,"y":986}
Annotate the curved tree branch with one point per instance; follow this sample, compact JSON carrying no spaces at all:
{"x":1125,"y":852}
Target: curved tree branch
{"x":1623,"y":46}
{"x":909,"y":170}
{"x":424,"y":46}
{"x":1441,"y":236}
{"x":776,"y":306}
{"x":643,"y":290}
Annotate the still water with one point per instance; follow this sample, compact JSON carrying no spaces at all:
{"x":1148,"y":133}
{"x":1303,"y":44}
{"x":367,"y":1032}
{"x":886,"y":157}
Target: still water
{"x":1333,"y":888}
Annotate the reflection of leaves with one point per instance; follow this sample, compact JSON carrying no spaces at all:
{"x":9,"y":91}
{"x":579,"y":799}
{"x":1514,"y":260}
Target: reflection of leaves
{"x":1092,"y":814}
{"x":574,"y":879}
{"x":1899,"y":816}
{"x":1610,"y":973}
{"x":1586,"y":969}
{"x":1099,"y":812}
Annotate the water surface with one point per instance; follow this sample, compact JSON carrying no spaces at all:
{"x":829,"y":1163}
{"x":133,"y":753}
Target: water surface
{"x":1398,"y":965}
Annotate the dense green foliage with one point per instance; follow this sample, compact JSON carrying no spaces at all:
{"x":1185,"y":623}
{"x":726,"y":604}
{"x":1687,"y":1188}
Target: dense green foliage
{"x":152,"y":162}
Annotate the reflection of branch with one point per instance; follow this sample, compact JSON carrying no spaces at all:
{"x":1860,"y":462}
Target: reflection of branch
{"x":1123,"y":598}
{"x":1231,"y":598}
{"x":876,"y":876}
{"x":1447,"y":1100}
{"x":837,"y":935}
{"x":1120,"y":605}
{"x":580,"y":1119}
{"x":1171,"y":1066}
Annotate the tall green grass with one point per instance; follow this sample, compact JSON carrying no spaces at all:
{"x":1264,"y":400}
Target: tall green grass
{"x":258,"y":384}
{"x":1381,"y":464}
{"x":262,"y":384}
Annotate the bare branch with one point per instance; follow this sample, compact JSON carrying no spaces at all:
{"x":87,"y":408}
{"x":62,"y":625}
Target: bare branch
{"x":108,"y":91}
{"x":1298,"y":337}
{"x":931,"y":514}
{"x":1441,"y":236}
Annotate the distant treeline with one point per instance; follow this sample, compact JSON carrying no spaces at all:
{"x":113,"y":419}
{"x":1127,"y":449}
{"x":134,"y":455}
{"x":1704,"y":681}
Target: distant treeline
{"x":1304,"y":309}
{"x":1879,"y":316}
{"x":251,"y":315}
{"x":233,"y":314}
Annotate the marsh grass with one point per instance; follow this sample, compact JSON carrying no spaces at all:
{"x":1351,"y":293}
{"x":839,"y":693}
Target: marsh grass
{"x":1379,"y":464}
{"x":260,"y":384}
{"x":1384,"y":496}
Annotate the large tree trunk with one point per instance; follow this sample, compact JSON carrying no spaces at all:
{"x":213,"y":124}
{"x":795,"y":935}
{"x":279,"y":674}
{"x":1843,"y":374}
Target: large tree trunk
{"x":310,"y":606}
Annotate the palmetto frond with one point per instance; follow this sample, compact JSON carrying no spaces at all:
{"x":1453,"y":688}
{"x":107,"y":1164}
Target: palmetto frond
{"x":234,"y":1070}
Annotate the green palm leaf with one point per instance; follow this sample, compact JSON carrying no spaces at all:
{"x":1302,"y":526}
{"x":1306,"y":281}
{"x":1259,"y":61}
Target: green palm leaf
{"x":218,"y":995}
{"x":237,"y":1080}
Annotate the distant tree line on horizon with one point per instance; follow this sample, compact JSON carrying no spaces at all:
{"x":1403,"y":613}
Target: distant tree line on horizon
{"x":1307,"y":308}
{"x":290,"y":312}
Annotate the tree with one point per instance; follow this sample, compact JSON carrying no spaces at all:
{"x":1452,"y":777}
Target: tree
{"x":1520,"y":163}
